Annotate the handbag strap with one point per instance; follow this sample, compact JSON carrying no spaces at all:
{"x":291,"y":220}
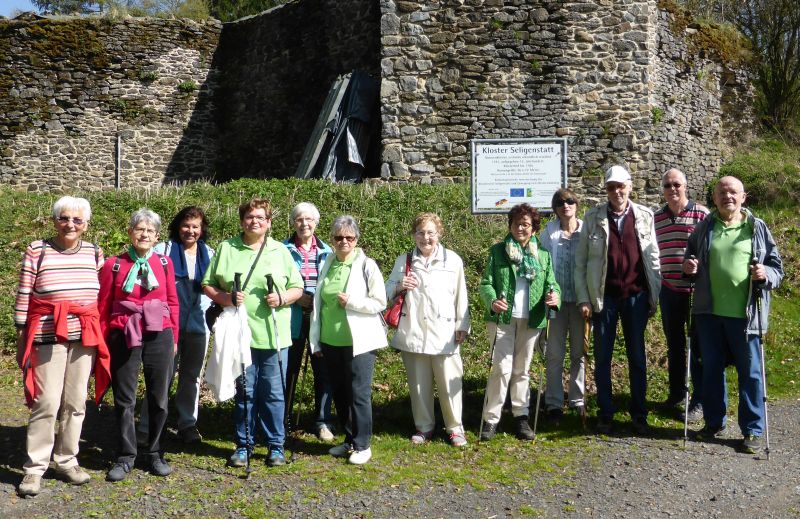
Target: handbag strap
{"x":253,"y":266}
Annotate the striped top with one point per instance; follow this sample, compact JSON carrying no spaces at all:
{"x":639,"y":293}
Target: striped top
{"x":62,"y":276}
{"x":672,"y":234}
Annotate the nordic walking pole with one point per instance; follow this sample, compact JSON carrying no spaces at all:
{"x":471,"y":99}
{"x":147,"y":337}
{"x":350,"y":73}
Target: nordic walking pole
{"x":306,"y":355}
{"x":237,"y":287}
{"x":689,"y":328}
{"x":763,"y":362}
{"x":287,"y":419}
{"x":491,"y":359}
{"x":549,"y":314}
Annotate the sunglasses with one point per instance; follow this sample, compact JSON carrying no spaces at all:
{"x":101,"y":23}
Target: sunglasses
{"x":350,"y":239}
{"x":673,"y":185}
{"x":64,"y":220}
{"x":567,"y":201}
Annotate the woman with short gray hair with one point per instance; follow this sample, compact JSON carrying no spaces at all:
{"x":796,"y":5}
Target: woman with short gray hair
{"x":139,"y":315}
{"x":347,"y":327}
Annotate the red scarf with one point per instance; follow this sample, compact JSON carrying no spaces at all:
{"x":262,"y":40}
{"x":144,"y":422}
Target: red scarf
{"x":91,"y":336}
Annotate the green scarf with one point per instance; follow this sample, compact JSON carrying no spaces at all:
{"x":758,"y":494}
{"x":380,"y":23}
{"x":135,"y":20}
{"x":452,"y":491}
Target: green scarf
{"x":140,"y":267}
{"x":526,"y":259}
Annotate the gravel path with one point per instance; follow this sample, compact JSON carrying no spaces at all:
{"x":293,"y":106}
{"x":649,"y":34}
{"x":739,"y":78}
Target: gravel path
{"x":618,"y":476}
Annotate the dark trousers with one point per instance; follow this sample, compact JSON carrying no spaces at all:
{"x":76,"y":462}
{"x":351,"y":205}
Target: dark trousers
{"x":156,"y":357}
{"x":351,"y":380}
{"x":323,"y":394}
{"x":674,"y":316}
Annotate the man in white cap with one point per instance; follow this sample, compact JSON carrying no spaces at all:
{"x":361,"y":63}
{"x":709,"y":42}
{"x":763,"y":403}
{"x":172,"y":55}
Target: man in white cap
{"x":618,"y":277}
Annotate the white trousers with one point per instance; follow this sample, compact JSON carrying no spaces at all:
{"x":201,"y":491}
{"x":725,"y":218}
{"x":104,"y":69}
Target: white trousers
{"x":447,"y":371}
{"x":567,"y":321}
{"x":61,"y":375}
{"x":514,"y":345}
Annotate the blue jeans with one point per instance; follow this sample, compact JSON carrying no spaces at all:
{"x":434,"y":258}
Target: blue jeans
{"x":633,"y":311}
{"x":674,"y":315}
{"x":265,"y":402}
{"x":721,"y":338}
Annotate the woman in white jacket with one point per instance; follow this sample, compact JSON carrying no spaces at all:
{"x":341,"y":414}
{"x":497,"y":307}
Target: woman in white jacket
{"x":347,"y":329}
{"x":433,"y":324}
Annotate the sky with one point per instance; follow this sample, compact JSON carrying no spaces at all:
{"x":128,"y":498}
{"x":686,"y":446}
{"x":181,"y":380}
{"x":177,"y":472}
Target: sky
{"x":7,"y":7}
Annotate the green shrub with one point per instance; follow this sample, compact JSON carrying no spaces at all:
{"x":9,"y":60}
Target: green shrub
{"x":187,"y":87}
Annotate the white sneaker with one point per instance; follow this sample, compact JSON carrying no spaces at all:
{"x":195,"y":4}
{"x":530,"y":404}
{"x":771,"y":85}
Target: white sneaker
{"x":340,"y":451}
{"x":360,"y":457}
{"x":325,"y":434}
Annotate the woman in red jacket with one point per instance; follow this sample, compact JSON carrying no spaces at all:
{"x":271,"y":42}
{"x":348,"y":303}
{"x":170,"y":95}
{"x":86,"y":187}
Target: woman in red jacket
{"x":139,"y":315}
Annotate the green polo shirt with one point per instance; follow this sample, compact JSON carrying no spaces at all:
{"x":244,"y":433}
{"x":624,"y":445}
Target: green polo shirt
{"x":334,"y":329}
{"x":729,"y":268}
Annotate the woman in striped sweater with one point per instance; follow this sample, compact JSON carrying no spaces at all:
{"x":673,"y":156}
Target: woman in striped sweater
{"x":59,"y":342}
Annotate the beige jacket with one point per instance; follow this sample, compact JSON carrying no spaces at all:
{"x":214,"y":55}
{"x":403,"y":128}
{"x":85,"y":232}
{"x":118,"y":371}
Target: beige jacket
{"x":591,"y":259}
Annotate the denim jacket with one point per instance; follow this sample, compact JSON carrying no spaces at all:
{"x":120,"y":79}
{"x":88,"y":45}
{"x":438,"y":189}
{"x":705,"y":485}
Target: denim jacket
{"x":765,"y":252}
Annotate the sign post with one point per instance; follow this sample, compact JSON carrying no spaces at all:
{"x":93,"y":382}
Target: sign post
{"x":507,"y":172}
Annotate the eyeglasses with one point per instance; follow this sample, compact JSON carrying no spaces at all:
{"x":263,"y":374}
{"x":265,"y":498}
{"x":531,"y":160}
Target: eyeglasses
{"x":426,"y":234}
{"x":350,"y":239}
{"x":254,"y":218}
{"x":521,"y":226}
{"x":64,"y":220}
{"x":144,"y":231}
{"x":673,"y":185}
{"x":566,"y":201}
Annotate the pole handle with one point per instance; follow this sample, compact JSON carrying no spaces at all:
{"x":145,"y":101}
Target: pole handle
{"x":270,"y":284}
{"x":237,"y":287}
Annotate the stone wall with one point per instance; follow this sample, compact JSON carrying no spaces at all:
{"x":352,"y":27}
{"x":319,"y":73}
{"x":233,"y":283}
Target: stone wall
{"x":278,"y":68}
{"x":71,"y":87}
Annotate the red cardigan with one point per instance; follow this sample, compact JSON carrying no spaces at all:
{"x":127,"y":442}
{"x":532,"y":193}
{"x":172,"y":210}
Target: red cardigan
{"x":166,"y":292}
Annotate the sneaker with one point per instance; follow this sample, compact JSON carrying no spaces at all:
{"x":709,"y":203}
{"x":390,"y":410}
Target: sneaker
{"x":238,"y":458}
{"x":751,"y":444}
{"x":524,"y":431}
{"x":709,"y":433}
{"x":554,"y":416}
{"x":695,"y":413}
{"x":419,"y":437}
{"x":488,"y":431}
{"x":604,"y":425}
{"x":457,"y":439}
{"x":73,"y":475}
{"x":31,"y":485}
{"x":118,"y":472}
{"x":325,"y":434}
{"x":360,"y":457}
{"x":640,"y":425}
{"x":159,"y":467}
{"x":190,"y":435}
{"x":276,"y":457}
{"x":342,"y":450}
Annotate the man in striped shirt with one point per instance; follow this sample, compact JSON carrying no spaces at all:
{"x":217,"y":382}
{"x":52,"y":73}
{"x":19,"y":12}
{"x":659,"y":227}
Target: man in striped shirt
{"x":674,"y":223}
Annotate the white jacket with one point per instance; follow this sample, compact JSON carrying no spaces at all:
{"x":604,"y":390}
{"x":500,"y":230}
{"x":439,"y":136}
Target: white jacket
{"x":364,"y":306}
{"x":231,"y":352}
{"x":434,"y":310}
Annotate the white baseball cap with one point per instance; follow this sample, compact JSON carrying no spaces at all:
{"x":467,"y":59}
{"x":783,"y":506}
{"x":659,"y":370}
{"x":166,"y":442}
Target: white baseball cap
{"x":617,"y":174}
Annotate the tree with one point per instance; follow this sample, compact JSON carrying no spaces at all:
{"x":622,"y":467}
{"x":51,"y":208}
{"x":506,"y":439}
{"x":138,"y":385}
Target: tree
{"x":229,"y":10}
{"x":68,"y":6}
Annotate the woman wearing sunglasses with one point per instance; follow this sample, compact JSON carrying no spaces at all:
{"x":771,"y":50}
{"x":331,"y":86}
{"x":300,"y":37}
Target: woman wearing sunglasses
{"x":59,"y":342}
{"x":560,"y":238}
{"x":347,"y":327}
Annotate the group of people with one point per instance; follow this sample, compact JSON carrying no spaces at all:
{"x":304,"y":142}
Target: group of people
{"x":79,"y":313}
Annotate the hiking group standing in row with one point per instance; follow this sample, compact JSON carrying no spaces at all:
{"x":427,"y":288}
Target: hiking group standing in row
{"x":275,"y":304}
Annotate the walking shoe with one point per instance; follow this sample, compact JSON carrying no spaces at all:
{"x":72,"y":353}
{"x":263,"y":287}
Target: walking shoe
{"x":488,"y":431}
{"x":419,"y":437}
{"x":325,"y":434}
{"x":360,"y":457}
{"x":159,"y":467}
{"x":640,"y":425}
{"x":524,"y":431}
{"x":73,"y":475}
{"x":709,"y":433}
{"x":238,"y":458}
{"x":276,"y":457}
{"x":673,"y":402}
{"x":554,"y":416}
{"x":457,"y":439}
{"x":31,"y":485}
{"x":604,"y":425}
{"x":342,"y":450}
{"x":190,"y":435}
{"x":751,"y":444}
{"x":695,"y":413}
{"x":118,"y":472}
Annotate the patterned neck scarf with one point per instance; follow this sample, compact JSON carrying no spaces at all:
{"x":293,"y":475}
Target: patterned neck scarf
{"x":526,"y":259}
{"x":140,"y":268}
